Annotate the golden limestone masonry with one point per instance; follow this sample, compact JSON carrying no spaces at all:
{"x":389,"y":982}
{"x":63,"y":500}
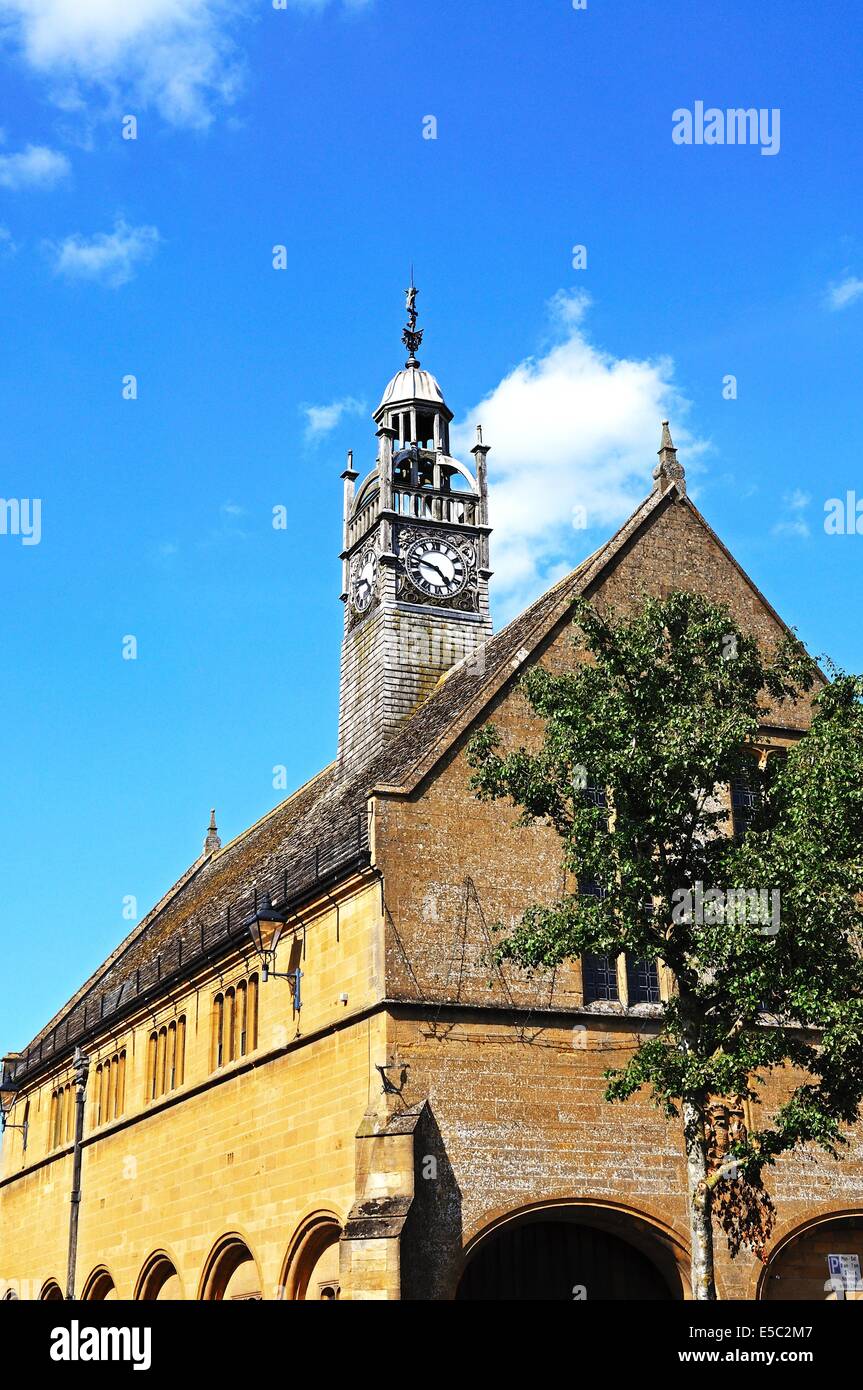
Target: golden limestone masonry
{"x":300,"y":1076}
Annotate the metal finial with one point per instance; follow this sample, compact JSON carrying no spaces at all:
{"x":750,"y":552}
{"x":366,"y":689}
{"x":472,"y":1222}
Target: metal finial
{"x":411,"y":335}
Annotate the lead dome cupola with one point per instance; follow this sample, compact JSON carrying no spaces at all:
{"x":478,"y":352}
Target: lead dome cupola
{"x":413,"y":404}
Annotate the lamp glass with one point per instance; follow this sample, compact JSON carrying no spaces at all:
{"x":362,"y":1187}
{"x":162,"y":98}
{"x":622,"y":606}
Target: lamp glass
{"x":268,"y":934}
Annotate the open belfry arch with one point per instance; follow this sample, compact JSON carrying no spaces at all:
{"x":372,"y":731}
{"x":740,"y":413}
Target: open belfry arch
{"x":374,"y":1110}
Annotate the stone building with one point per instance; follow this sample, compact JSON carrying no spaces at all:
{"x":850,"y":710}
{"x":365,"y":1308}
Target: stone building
{"x":389,"y":1115}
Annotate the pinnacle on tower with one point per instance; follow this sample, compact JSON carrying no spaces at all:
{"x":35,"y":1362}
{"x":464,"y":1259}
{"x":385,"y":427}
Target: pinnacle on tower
{"x":668,"y":472}
{"x":212,"y":842}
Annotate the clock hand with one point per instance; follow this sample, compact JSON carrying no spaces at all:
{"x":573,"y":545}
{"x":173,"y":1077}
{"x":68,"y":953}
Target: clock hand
{"x":428,"y":565}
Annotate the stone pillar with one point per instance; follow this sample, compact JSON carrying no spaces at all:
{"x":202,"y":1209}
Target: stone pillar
{"x":349,"y":477}
{"x":480,"y":453}
{"x":386,"y":435}
{"x":403,"y":1236}
{"x":370,"y":1254}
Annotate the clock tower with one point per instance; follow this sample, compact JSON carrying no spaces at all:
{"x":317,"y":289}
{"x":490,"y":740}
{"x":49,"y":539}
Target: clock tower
{"x":415,"y":565}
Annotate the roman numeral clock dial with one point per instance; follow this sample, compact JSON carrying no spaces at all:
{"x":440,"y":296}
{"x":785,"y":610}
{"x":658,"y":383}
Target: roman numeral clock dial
{"x":436,"y":568}
{"x":363,"y":583}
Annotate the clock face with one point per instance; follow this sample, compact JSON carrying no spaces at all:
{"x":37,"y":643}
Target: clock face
{"x":436,"y":568}
{"x":364,"y":580}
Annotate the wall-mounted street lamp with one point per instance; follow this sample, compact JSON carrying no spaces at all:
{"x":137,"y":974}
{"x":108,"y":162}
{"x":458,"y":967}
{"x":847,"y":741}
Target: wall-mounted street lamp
{"x":266,"y":925}
{"x":8,"y":1095}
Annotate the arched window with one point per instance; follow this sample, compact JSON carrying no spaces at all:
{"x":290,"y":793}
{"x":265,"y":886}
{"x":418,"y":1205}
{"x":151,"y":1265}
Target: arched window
{"x":234,"y":1025}
{"x":242,"y":1019}
{"x":59,"y":1118}
{"x":103,"y":1091}
{"x":56,"y":1117}
{"x":109,"y":1099}
{"x":230,"y":1025}
{"x":111,"y":1106}
{"x":70,"y":1113}
{"x":217,"y":1040}
{"x":121,"y":1083}
{"x":171,"y":1066}
{"x":152,"y":1048}
{"x":97,"y":1097}
{"x":181,"y":1050}
{"x":161,"y":1051}
{"x":252,"y":1027}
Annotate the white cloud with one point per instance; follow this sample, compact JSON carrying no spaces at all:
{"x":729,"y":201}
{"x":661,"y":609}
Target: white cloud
{"x":109,"y":257}
{"x":574,"y":428}
{"x":34,"y":167}
{"x":797,"y":500}
{"x":845,"y":292}
{"x":7,"y":245}
{"x":174,"y":55}
{"x":790,"y":528}
{"x":567,"y":308}
{"x":321,"y":419}
{"x":794,"y":502}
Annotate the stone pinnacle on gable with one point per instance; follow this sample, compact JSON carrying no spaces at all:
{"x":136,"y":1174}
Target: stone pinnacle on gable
{"x":212,"y":842}
{"x":668,"y":472}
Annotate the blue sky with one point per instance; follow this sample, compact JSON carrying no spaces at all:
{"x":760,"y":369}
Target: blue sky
{"x":304,"y":127}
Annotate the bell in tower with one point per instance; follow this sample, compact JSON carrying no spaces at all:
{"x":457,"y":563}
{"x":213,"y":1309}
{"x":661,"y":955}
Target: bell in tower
{"x":415,"y":559}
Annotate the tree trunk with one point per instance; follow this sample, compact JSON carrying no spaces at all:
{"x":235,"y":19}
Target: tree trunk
{"x":700,"y":1202}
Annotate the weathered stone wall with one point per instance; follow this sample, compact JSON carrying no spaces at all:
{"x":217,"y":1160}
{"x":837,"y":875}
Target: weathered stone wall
{"x":517,"y":1095}
{"x":253,"y":1147}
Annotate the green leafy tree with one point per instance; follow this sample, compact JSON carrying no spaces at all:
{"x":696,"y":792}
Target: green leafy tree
{"x":761,"y":930}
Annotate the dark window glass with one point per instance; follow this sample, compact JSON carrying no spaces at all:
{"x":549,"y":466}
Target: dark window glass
{"x":590,"y":888}
{"x":642,"y":978}
{"x":742,"y":805}
{"x":594,"y":796}
{"x":600,"y":978}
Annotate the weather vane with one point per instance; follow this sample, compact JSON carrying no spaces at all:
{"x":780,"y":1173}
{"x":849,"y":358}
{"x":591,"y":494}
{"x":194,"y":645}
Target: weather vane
{"x":412,"y":336}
